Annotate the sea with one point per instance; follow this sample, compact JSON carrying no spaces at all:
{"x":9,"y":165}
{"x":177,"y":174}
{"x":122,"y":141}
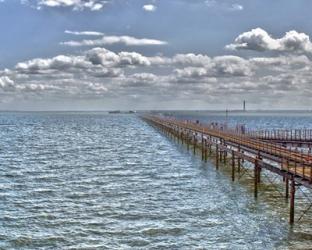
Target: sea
{"x":94,"y":180}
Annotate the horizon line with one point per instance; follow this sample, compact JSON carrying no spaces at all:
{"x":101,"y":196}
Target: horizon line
{"x":160,"y":110}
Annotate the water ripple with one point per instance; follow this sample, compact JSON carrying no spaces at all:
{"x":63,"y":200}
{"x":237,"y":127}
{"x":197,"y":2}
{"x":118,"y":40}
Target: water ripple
{"x":97,"y":181}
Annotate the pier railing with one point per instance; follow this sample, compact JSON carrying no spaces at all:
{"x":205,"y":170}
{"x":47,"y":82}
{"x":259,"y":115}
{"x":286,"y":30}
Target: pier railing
{"x":294,"y":137}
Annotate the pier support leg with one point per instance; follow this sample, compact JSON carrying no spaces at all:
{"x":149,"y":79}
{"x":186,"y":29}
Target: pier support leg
{"x":259,"y":175}
{"x":220,"y":154}
{"x":206,"y":153}
{"x":224,"y":157}
{"x":286,"y":188}
{"x":188,"y":141}
{"x":233,"y":166}
{"x":292,"y":201}
{"x":256,"y":179}
{"x":217,"y":156}
{"x":182,"y":138}
{"x":194,"y":151}
{"x":259,"y":169}
{"x":203,"y":148}
{"x":224,"y":154}
{"x":238,"y":165}
{"x":238,"y":161}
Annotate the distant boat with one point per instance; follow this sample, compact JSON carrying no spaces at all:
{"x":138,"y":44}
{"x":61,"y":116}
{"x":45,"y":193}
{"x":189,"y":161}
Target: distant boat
{"x":114,"y":112}
{"x":121,"y":112}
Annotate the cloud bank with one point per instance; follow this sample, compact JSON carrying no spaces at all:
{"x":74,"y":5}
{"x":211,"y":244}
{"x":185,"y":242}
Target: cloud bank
{"x":128,"y":76}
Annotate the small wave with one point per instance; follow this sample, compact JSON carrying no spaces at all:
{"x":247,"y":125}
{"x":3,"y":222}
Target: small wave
{"x":138,"y":243}
{"x":163,"y":231}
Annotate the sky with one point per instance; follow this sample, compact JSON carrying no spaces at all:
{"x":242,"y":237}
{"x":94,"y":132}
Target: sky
{"x":155,"y":54}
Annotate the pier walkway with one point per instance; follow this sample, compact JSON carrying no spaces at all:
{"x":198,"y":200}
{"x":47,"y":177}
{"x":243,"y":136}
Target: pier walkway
{"x":228,"y":145}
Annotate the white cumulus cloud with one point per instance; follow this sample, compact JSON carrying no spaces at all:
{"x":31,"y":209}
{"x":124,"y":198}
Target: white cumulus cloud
{"x":223,"y":5}
{"x":149,"y":7}
{"x":101,"y":56}
{"x":6,"y":84}
{"x":84,"y":33}
{"x":77,"y":5}
{"x":259,"y":40}
{"x":110,"y":40}
{"x":236,"y":7}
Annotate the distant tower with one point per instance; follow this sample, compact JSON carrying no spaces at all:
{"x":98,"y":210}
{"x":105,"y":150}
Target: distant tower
{"x":244,"y":105}
{"x":226,"y":116}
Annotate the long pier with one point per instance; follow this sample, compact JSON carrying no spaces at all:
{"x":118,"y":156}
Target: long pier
{"x":227,"y":145}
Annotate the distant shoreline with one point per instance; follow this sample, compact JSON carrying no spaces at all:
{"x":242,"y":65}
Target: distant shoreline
{"x":177,"y":111}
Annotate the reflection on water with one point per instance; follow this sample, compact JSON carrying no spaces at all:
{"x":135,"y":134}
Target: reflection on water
{"x":98,"y":181}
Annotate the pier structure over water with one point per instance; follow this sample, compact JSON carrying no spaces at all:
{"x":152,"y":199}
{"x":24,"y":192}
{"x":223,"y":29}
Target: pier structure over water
{"x":234,"y":148}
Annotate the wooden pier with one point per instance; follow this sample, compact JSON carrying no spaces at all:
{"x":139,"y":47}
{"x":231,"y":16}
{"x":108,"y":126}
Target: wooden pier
{"x":235,"y":148}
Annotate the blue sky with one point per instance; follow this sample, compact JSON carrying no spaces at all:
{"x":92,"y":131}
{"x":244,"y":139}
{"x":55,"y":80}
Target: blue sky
{"x":175,"y":54}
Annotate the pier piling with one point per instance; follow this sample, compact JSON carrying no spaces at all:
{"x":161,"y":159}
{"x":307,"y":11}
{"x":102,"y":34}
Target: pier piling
{"x":233,"y":166}
{"x":292,"y":201}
